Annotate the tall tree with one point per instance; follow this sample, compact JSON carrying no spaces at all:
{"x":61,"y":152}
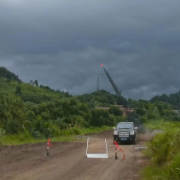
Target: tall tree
{"x":36,"y":83}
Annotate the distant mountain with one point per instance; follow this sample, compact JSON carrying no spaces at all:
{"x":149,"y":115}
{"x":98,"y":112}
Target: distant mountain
{"x":173,"y":99}
{"x":4,"y":73}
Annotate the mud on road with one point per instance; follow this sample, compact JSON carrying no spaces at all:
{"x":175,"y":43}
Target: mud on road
{"x":67,"y":161}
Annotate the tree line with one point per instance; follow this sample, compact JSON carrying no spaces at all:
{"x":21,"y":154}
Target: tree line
{"x":43,"y":112}
{"x":173,"y":99}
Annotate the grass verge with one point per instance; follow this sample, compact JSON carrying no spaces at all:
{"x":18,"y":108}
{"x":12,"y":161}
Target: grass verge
{"x":164,"y":151}
{"x":64,"y":136}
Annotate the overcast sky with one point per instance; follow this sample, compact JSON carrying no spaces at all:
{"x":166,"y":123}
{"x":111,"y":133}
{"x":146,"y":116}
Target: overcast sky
{"x":61,"y":43}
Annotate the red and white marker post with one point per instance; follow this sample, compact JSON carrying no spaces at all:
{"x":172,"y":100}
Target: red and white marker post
{"x":48,"y":146}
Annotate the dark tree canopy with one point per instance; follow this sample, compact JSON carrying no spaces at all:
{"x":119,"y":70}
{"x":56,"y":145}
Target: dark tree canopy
{"x":173,"y":99}
{"x":4,"y":73}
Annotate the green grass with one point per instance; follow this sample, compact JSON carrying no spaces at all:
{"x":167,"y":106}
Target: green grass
{"x":65,"y":136}
{"x":164,"y":151}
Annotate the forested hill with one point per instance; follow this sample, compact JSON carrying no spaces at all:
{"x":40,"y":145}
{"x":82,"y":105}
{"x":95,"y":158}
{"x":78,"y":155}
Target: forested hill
{"x":43,"y":112}
{"x":101,"y":98}
{"x":35,"y":93}
{"x":4,"y":73}
{"x":173,"y":99}
{"x":31,"y":93}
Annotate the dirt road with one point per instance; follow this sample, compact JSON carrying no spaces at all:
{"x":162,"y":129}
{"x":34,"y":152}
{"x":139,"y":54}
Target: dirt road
{"x":67,"y":161}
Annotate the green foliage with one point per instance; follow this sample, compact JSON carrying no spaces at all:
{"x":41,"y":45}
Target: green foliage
{"x":145,"y":111}
{"x":11,"y":112}
{"x":12,"y":126}
{"x":4,"y":73}
{"x":43,"y":112}
{"x":2,"y":132}
{"x":99,"y":98}
{"x":164,"y":150}
{"x":36,"y":83}
{"x":31,"y":93}
{"x":63,"y":135}
{"x":173,"y":99}
{"x":115,"y":111}
{"x":17,"y":139}
{"x":102,"y":117}
{"x":18,"y":90}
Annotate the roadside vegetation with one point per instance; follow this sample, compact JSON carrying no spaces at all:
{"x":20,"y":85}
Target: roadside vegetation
{"x":72,"y":134}
{"x":164,"y":148}
{"x":30,"y":112}
{"x":164,"y":152}
{"x":53,"y":118}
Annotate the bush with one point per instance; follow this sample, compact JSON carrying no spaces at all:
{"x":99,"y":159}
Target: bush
{"x":2,"y":132}
{"x":164,"y":150}
{"x":75,"y":131}
{"x":115,"y":110}
{"x":12,"y":127}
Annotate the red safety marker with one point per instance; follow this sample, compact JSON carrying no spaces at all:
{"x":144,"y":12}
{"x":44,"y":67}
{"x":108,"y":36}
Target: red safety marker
{"x":120,"y":150}
{"x":49,"y":144}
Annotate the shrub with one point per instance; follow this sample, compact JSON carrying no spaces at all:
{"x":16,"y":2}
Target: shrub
{"x":164,"y":150}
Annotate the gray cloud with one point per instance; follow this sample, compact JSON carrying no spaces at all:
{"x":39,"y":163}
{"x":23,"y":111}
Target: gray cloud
{"x":62,"y":44}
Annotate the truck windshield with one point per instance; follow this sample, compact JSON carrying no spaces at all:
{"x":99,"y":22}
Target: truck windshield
{"x":124,"y":126}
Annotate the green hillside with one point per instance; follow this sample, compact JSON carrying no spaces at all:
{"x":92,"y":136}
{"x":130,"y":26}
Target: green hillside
{"x":41,"y":112}
{"x":4,"y":73}
{"x":100,"y":98}
{"x":29,"y":92}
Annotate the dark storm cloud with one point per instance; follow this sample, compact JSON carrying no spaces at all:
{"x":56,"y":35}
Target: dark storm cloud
{"x":62,"y":43}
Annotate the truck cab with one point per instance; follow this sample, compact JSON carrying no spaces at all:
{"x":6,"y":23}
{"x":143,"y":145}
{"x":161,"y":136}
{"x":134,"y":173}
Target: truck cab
{"x":125,"y":131}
